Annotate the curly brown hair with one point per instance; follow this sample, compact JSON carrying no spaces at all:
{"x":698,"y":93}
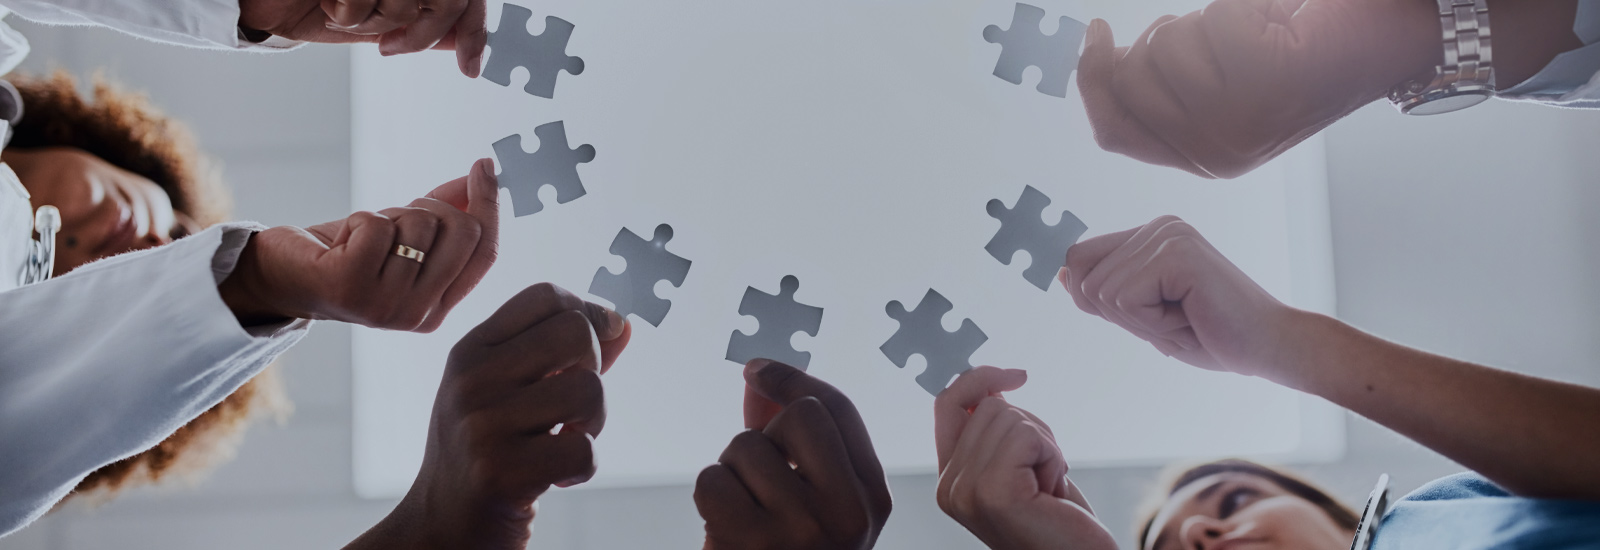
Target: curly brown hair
{"x":126,"y":130}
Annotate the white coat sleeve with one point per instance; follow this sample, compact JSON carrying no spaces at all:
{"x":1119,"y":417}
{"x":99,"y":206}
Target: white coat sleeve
{"x":110,"y":359}
{"x":197,"y":23}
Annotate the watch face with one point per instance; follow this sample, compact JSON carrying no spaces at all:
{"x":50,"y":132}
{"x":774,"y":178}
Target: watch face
{"x":1448,"y":104}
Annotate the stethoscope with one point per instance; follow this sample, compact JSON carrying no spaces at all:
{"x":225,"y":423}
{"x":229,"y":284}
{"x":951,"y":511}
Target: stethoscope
{"x":1372,"y":515}
{"x":41,"y":262}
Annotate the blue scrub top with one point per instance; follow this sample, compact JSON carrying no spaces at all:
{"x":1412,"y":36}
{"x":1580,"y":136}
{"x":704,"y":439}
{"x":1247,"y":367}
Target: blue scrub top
{"x":1467,"y":512}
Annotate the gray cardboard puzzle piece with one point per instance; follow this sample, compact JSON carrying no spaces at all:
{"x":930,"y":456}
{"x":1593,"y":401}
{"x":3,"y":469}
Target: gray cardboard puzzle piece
{"x":780,"y":316}
{"x":1022,"y":228}
{"x":634,"y":290}
{"x":1025,"y":44}
{"x":922,"y":332}
{"x":554,"y":164}
{"x":544,"y":56}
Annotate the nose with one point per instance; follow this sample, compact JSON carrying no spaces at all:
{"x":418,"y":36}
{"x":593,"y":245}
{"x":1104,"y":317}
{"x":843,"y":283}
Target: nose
{"x":1201,"y":532}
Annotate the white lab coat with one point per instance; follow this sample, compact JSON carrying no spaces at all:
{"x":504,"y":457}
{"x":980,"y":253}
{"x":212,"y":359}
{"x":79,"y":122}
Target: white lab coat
{"x":107,"y":361}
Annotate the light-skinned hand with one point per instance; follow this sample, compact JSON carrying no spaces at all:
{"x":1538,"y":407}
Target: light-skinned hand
{"x":1222,"y":90}
{"x":493,"y":443}
{"x":1001,"y":473}
{"x":397,"y":26}
{"x":347,"y":270}
{"x":804,"y":476}
{"x":1166,"y":284}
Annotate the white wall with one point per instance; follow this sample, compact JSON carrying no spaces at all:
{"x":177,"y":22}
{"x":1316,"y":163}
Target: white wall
{"x":1485,"y":253}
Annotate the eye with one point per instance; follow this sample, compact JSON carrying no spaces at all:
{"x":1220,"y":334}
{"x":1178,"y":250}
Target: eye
{"x":1233,"y":500}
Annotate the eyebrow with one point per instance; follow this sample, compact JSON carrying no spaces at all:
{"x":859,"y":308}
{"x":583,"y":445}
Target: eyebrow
{"x":1161,"y":535}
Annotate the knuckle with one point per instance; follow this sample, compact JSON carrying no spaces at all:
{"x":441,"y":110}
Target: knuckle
{"x":748,"y":439}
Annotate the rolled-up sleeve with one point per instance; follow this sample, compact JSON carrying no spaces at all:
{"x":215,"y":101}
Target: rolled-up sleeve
{"x":1572,"y":79}
{"x":197,"y":23}
{"x":107,"y":361}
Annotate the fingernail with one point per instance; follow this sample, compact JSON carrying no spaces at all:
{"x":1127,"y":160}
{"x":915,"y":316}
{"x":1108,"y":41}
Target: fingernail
{"x":756,"y":365}
{"x":1018,"y":373}
{"x":613,"y":325}
{"x":485,"y":167}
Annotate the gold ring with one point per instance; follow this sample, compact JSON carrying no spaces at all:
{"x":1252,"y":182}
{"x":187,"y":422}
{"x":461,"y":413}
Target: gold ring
{"x":409,"y":253}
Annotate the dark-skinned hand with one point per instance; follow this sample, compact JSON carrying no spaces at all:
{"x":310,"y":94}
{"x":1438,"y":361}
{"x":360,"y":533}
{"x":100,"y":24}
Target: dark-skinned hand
{"x":834,"y":496}
{"x":516,"y":413}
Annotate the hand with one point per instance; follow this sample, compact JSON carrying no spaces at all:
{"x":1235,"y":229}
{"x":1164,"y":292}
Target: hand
{"x":491,"y":452}
{"x":1221,"y":91}
{"x":1001,"y":473}
{"x":347,"y":270}
{"x":835,"y":495}
{"x":1164,"y":283}
{"x":398,"y":26}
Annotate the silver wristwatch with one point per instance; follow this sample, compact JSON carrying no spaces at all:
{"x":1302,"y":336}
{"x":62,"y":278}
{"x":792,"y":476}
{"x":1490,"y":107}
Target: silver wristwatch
{"x":1467,"y":76}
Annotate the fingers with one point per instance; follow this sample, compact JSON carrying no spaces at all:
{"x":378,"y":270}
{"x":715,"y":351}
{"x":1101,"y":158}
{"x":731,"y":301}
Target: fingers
{"x":1115,"y":128}
{"x":807,"y":435}
{"x":951,"y":409}
{"x":563,"y":341}
{"x":723,"y":501}
{"x":1082,"y":259}
{"x":784,"y":384}
{"x":471,"y":36}
{"x":365,"y":241}
{"x":435,"y":19}
{"x":536,"y":463}
{"x":385,"y":16}
{"x":573,"y":397}
{"x":347,"y":13}
{"x":478,"y":195}
{"x":762,"y":468}
{"x":414,"y":228}
{"x":534,"y":305}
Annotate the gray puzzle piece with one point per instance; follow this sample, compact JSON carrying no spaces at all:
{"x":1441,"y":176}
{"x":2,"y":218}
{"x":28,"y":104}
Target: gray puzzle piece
{"x":922,"y":333}
{"x":1023,"y":228}
{"x":780,"y":316}
{"x":634,"y":290}
{"x":1024,"y":45}
{"x":544,"y":56}
{"x":553,"y":164}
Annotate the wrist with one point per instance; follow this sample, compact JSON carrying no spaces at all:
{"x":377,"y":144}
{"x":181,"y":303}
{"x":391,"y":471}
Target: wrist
{"x":244,"y":290}
{"x":1305,"y":350}
{"x":1415,"y":48}
{"x":1527,"y":35}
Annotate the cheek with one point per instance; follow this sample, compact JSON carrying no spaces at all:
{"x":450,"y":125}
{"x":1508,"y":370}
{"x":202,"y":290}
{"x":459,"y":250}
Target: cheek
{"x":1295,"y":523}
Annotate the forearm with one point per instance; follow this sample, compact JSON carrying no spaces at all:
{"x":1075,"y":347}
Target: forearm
{"x":1527,"y":35}
{"x":1534,"y":437}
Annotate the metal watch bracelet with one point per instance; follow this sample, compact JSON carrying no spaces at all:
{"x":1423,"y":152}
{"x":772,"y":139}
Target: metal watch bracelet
{"x":1466,"y":77}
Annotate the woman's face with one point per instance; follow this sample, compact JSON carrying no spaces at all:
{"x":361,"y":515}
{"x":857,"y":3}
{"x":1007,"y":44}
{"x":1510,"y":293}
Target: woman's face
{"x":1240,"y":511}
{"x":105,"y":210}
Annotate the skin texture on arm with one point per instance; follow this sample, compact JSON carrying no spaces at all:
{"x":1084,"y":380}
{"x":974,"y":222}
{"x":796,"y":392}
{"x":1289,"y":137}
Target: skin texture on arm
{"x":1001,"y":473}
{"x":1165,"y":284}
{"x":1221,"y":91}
{"x":492,"y":445}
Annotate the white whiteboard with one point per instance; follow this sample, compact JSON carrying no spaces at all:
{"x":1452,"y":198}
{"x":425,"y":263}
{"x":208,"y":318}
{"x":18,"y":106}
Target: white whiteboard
{"x":854,"y":145}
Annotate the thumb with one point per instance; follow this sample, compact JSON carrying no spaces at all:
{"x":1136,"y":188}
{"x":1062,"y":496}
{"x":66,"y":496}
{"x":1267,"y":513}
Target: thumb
{"x":951,"y":409}
{"x":477,"y":194}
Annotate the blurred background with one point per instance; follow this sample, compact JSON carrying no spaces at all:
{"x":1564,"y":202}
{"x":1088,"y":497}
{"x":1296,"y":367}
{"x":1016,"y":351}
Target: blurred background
{"x":1471,"y":235}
